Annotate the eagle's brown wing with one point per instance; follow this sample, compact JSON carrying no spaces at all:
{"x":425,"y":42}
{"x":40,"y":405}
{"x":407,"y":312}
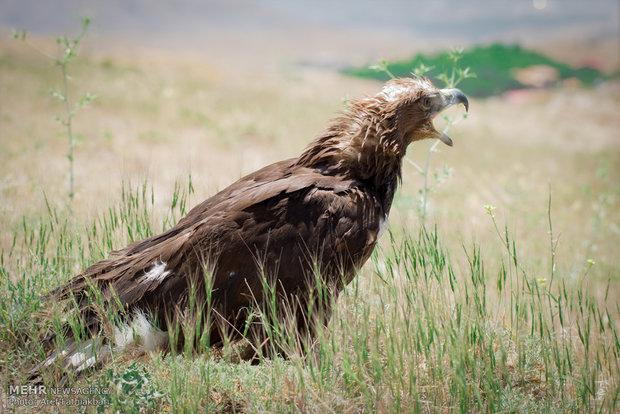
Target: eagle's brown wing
{"x":283,"y":218}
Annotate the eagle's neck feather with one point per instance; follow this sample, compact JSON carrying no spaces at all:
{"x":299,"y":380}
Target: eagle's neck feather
{"x":363,"y":144}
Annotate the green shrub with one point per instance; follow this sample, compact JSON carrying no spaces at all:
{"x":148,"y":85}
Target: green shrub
{"x":493,"y":65}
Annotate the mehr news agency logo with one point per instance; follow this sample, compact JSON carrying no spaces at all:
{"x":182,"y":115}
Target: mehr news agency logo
{"x":40,"y":395}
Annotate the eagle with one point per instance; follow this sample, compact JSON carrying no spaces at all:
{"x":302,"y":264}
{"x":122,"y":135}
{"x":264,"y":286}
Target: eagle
{"x":286,"y":238}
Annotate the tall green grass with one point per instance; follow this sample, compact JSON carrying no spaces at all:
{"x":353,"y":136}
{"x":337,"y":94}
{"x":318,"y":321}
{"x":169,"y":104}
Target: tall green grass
{"x":422,"y":328}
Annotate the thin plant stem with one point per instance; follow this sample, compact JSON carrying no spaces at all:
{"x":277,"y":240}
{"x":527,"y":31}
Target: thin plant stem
{"x":68,"y":124}
{"x":425,"y":189}
{"x":551,"y":242}
{"x":67,"y":53}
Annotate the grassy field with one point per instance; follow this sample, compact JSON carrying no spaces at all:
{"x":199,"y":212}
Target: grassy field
{"x":507,"y":300}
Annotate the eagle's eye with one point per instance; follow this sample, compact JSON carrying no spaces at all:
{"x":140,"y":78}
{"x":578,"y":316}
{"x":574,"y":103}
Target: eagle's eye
{"x":425,"y":102}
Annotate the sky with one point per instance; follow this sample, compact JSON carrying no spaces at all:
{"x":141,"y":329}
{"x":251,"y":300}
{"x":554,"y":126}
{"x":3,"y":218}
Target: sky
{"x":332,"y":32}
{"x":478,"y":20}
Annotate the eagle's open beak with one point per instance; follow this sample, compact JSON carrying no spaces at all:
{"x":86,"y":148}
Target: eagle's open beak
{"x":449,"y":97}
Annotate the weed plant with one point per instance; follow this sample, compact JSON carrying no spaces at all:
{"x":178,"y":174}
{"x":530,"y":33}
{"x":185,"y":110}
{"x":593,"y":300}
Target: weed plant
{"x":67,"y":52}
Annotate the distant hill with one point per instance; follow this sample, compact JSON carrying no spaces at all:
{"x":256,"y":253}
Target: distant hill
{"x":498,"y":68}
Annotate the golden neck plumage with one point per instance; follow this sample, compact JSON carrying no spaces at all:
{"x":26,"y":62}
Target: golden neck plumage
{"x":363,"y":144}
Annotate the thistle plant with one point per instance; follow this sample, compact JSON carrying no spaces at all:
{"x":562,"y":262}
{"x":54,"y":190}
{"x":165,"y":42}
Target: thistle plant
{"x":451,"y":78}
{"x":67,"y":51}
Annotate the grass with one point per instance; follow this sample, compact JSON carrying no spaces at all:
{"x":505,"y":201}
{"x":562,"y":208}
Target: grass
{"x":421,"y":329}
{"x":494,"y":66}
{"x":461,"y":316}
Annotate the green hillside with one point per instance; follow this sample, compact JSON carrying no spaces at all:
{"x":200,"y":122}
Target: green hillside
{"x":493,"y":65}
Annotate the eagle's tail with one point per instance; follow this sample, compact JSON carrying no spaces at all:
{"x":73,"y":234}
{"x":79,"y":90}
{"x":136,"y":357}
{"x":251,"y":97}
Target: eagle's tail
{"x":80,"y":356}
{"x":77,"y":357}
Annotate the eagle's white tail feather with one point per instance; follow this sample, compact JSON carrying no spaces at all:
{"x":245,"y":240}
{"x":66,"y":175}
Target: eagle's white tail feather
{"x":88,"y":354}
{"x":140,"y":333}
{"x":78,"y":357}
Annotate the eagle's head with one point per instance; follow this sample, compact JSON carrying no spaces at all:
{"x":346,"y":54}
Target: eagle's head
{"x":413,"y":103}
{"x":370,"y":140}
